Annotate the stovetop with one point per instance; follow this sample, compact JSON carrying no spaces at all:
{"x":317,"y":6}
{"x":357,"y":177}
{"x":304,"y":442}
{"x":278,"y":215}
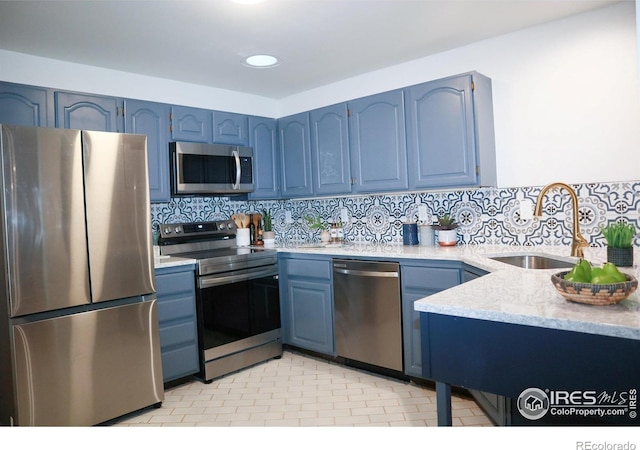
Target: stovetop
{"x":213,"y":246}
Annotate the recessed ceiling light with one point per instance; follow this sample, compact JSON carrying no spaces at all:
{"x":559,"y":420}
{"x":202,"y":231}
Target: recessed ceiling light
{"x":261,"y":61}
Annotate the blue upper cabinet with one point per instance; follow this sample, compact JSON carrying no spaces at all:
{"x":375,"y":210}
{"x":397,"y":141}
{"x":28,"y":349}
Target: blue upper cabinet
{"x":295,"y":155}
{"x":25,"y":105}
{"x":450,"y":138}
{"x":230,"y":128}
{"x":152,"y":120}
{"x":263,"y":137}
{"x":191,"y":124}
{"x":88,"y":112}
{"x":330,"y":150}
{"x":378,"y":143}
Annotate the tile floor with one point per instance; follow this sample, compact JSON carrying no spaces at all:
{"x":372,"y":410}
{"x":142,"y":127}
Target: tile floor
{"x":302,"y":391}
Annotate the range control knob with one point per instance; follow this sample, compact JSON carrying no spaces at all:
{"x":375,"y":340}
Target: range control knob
{"x":178,"y":230}
{"x":167,"y":230}
{"x":222,"y":226}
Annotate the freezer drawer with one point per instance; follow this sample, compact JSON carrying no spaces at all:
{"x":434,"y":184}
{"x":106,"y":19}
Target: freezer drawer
{"x":87,"y":368}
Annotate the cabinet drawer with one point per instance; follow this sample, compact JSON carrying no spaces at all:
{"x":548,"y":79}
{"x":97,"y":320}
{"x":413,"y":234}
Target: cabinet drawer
{"x":309,"y":268}
{"x":172,"y":283}
{"x":177,"y":334}
{"x":429,"y":277}
{"x":176,"y":307}
{"x":179,"y":362}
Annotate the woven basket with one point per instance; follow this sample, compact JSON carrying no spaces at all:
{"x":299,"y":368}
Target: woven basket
{"x":594,"y":294}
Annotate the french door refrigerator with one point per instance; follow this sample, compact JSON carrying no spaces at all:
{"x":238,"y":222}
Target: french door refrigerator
{"x":79,"y":338}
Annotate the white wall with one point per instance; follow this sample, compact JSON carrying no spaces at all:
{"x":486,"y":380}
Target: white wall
{"x":33,"y":70}
{"x":566,"y":97}
{"x":566,"y":101}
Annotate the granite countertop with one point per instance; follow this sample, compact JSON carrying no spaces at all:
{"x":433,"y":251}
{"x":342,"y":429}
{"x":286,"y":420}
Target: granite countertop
{"x":160,"y":262}
{"x":509,"y":294}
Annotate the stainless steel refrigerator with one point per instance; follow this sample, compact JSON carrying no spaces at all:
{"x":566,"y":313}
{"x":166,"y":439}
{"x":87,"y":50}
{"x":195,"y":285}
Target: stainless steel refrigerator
{"x":79,"y":338}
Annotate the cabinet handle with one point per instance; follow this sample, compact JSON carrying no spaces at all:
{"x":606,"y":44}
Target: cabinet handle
{"x":366,"y":273}
{"x":236,"y":156}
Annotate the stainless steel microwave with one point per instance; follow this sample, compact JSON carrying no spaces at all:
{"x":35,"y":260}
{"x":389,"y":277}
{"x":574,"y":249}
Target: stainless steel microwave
{"x":210,"y":169}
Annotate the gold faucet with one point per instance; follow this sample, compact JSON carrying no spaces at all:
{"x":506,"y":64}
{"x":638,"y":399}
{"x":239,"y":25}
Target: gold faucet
{"x":578,"y":241}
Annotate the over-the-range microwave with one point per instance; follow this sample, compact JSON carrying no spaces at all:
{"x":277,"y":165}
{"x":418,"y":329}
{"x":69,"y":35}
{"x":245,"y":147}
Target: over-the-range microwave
{"x":210,"y":169}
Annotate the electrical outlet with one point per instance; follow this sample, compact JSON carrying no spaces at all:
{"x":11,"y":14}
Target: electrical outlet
{"x":422,"y":212}
{"x":344,"y":215}
{"x":287,"y":216}
{"x":526,"y":209}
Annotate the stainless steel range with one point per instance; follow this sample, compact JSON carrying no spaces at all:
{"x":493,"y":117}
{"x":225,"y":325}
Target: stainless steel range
{"x":237,"y":296}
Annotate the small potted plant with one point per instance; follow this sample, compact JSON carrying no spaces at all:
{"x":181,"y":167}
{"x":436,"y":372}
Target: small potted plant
{"x":447,"y":233}
{"x":619,"y":237}
{"x":268,"y":235}
{"x":317,"y":224}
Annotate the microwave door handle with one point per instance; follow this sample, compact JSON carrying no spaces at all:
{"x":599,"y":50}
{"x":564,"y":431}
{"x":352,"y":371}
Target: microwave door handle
{"x":236,"y":155}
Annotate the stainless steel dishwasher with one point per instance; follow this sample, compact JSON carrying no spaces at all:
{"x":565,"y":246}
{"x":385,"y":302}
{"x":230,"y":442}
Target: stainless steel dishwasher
{"x":368,"y":318}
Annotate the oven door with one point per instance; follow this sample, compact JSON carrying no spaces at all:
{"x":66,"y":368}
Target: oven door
{"x":238,"y":310}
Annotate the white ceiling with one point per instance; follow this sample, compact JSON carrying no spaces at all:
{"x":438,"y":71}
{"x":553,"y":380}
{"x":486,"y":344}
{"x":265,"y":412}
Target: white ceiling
{"x":319,"y":41}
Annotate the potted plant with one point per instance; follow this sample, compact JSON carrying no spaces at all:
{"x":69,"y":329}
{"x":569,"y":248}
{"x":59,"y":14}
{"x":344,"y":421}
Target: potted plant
{"x":447,"y":233}
{"x":268,"y":235}
{"x":619,"y":237}
{"x":317,"y":224}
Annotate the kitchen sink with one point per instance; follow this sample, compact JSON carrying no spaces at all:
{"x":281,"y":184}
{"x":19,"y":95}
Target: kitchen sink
{"x":533,"y":261}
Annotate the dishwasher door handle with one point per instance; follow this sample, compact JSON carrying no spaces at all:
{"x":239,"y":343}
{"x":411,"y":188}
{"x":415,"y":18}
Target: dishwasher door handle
{"x":367,"y":273}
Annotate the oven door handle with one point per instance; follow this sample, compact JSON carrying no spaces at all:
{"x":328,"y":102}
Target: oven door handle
{"x":235,"y":277}
{"x":236,"y":156}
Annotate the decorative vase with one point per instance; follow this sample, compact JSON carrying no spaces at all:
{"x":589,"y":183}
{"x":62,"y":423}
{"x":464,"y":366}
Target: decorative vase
{"x":269,"y":238}
{"x":447,"y":238}
{"x":621,"y":257}
{"x":325,"y":236}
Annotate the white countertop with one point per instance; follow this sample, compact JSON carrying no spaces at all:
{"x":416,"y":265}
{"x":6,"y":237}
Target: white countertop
{"x":507,"y":294}
{"x":161,"y":262}
{"x":510,"y":294}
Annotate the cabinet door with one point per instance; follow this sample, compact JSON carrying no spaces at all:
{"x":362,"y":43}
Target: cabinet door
{"x":441,"y":141}
{"x":25,"y":105}
{"x":152,"y":120}
{"x":190,"y":124}
{"x":419,"y":282}
{"x":88,"y":112}
{"x":377,"y":142}
{"x":307,"y":302}
{"x":330,"y":150}
{"x":266,"y":170}
{"x":295,"y":155}
{"x":177,"y":322}
{"x":230,"y":128}
{"x":310,"y":315}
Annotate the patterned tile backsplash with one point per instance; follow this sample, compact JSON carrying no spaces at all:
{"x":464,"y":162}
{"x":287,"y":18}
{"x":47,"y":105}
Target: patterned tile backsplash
{"x":486,"y":215}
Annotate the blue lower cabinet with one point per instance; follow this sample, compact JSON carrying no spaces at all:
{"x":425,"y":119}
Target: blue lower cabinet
{"x":307,"y":303}
{"x":496,"y":407}
{"x":177,"y":320}
{"x":419,"y":280}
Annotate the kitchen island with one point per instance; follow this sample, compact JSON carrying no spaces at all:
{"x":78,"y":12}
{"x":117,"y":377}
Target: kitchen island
{"x":510,"y":333}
